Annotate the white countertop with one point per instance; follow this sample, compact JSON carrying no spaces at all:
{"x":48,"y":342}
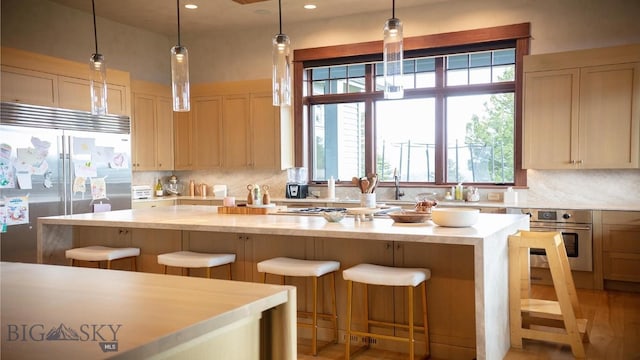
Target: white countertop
{"x":206,"y":218}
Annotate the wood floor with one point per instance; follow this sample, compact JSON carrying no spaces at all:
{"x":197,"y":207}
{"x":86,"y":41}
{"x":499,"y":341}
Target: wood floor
{"x":615,"y":333}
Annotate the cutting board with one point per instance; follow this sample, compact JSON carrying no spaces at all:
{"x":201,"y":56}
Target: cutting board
{"x":244,"y":210}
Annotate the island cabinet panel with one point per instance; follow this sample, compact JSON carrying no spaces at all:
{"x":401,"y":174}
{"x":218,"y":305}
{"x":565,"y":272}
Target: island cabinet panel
{"x":152,"y":130}
{"x":621,"y":247}
{"x":153,"y":242}
{"x":450,"y":294}
{"x":582,"y":109}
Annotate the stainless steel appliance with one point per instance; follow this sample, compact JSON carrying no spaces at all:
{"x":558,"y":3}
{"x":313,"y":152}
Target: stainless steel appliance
{"x":58,"y":162}
{"x":296,"y":187}
{"x":577,"y":233}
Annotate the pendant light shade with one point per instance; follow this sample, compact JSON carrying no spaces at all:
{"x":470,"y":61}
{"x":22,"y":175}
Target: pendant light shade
{"x":97,"y":75}
{"x":392,"y":57}
{"x":281,"y":66}
{"x":180,"y":73}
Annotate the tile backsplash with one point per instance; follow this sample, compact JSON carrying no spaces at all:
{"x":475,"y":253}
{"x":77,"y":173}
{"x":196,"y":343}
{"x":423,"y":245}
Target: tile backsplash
{"x":577,"y":187}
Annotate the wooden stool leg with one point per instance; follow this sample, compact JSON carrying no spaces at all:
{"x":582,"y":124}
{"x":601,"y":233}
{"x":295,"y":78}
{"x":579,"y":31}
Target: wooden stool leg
{"x":133,"y":264}
{"x":424,"y":318}
{"x":264,"y":277}
{"x":334,"y":308}
{"x":229,"y":272}
{"x":314,"y":319}
{"x":365,"y":292}
{"x":108,"y":264}
{"x":165,"y":269}
{"x":559,"y":276}
{"x":208,"y":273}
{"x":347,"y":341}
{"x":411,"y":328}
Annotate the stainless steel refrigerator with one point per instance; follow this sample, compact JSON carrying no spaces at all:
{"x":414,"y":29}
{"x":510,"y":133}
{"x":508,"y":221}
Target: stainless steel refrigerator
{"x":58,"y":162}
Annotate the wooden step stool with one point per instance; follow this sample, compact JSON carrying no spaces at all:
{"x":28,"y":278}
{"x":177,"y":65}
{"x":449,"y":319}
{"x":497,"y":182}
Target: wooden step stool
{"x":524,"y":311}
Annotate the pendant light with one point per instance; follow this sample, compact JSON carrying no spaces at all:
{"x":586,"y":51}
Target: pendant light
{"x":281,"y":66}
{"x":392,"y":57}
{"x":97,"y":75}
{"x":180,"y":73}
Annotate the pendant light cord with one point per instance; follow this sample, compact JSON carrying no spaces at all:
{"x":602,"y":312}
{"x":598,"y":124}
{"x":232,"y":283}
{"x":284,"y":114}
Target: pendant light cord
{"x":393,"y":9}
{"x":178,"y":10}
{"x":280,"y":14}
{"x":95,"y":30}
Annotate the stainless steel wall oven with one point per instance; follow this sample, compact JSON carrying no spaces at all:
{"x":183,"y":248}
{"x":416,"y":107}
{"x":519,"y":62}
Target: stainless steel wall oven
{"x":577,"y":233}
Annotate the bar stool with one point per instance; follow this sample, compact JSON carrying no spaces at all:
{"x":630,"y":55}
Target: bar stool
{"x":315,"y":269}
{"x":369,"y":274}
{"x":102,"y":253}
{"x":191,"y":260}
{"x":565,"y":313}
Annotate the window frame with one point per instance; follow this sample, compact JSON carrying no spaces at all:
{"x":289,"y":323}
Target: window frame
{"x":518,"y":35}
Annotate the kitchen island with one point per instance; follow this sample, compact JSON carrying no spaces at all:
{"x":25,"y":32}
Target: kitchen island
{"x":468,"y":292}
{"x":60,"y":312}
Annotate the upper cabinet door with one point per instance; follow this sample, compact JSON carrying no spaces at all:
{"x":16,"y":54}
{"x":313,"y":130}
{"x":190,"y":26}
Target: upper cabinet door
{"x":144,"y":141}
{"x":29,"y":87}
{"x":265,"y":132}
{"x":164,"y":133}
{"x":74,"y":94}
{"x":182,"y":141}
{"x":610,"y":116}
{"x":206,"y":131}
{"x":550,"y":119}
{"x":582,"y":109}
{"x":235,"y":126}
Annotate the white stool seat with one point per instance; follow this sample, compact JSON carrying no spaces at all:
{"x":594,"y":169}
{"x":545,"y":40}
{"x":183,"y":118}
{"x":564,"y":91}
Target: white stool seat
{"x":295,"y":267}
{"x":190,"y":259}
{"x":100,"y":253}
{"x":386,"y":275}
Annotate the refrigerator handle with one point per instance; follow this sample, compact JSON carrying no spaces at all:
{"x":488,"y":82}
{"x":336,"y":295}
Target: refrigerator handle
{"x":68,"y":196}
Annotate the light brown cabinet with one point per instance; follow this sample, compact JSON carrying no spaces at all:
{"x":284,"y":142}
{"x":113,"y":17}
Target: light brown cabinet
{"x":582,"y":109}
{"x":74,"y":94}
{"x":197,"y":134}
{"x":43,"y":80}
{"x":621,"y":245}
{"x":233,"y":126}
{"x":29,"y":87}
{"x":152,"y":130}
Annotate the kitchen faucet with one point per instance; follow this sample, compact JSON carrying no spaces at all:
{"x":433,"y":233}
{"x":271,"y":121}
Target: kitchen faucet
{"x":396,"y":179}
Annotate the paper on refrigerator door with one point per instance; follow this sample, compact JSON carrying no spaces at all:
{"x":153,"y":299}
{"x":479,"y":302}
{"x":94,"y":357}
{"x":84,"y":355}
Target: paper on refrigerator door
{"x":98,"y":188}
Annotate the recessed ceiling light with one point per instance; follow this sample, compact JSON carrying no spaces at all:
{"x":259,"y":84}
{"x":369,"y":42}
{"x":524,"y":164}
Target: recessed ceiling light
{"x":309,"y":6}
{"x":191,"y":6}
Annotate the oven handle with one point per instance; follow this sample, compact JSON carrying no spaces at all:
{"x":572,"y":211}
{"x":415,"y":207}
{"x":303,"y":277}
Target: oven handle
{"x":559,"y":227}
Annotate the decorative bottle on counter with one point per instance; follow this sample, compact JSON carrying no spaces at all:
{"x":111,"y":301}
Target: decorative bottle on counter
{"x":192,"y":188}
{"x":159,"y":191}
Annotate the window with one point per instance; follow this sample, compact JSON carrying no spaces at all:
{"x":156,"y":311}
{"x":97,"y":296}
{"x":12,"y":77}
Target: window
{"x":458,"y":121}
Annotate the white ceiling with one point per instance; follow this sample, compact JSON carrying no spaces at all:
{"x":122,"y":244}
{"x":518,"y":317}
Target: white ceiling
{"x":160,"y":15}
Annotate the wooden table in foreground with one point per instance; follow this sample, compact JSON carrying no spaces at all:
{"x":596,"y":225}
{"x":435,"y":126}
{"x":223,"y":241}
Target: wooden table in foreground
{"x":468,"y":291}
{"x":60,"y":312}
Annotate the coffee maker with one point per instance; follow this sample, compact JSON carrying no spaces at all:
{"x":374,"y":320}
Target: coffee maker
{"x":297,"y":187}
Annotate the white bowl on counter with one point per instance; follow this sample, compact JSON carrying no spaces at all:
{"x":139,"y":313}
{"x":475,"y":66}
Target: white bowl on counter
{"x":455,"y":217}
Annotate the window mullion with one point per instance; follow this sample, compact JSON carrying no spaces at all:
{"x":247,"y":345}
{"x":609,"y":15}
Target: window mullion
{"x":440,"y":128}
